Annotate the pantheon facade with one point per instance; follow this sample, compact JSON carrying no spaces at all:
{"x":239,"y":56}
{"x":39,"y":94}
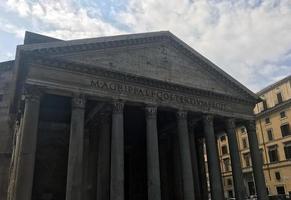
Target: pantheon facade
{"x":121,"y":118}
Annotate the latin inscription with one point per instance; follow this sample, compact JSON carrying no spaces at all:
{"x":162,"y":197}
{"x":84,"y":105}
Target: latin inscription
{"x":161,"y":96}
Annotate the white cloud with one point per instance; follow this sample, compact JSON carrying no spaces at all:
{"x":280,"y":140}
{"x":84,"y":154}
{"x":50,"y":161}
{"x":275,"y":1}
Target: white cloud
{"x":248,"y":39}
{"x":11,"y":28}
{"x":61,"y":18}
{"x":239,"y":36}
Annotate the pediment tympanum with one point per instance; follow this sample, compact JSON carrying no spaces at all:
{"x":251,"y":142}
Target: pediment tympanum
{"x":146,"y":55}
{"x":157,"y":61}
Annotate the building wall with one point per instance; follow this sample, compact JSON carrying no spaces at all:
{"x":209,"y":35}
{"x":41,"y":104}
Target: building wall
{"x":6,"y":75}
{"x":273,"y":124}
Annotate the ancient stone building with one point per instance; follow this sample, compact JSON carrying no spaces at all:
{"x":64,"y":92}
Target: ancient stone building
{"x":122,"y":117}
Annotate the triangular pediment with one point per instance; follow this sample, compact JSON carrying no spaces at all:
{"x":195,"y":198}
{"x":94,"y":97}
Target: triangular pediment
{"x":166,"y":59}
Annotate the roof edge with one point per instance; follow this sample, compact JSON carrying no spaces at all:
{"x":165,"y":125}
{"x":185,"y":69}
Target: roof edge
{"x":31,"y":47}
{"x":273,"y":85}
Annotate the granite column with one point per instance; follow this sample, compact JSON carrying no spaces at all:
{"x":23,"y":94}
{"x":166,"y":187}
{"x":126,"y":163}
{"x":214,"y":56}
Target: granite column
{"x":28,"y":143}
{"x":183,"y":138}
{"x":239,"y":187}
{"x":213,"y":161}
{"x":152,"y":143}
{"x":74,"y":189}
{"x":195,"y":171}
{"x":117,"y":153}
{"x":257,"y":162}
{"x":103,"y":163}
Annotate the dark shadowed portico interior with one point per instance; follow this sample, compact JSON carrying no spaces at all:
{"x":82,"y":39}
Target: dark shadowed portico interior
{"x":53,"y":145}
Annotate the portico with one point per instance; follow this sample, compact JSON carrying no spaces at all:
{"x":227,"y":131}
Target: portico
{"x":131,"y":127}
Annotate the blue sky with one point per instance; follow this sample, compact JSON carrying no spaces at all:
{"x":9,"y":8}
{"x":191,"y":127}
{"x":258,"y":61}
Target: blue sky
{"x":249,"y":39}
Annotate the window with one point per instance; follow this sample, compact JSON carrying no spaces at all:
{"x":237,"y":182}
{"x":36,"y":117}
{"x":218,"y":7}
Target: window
{"x":273,"y":153}
{"x":226,"y":163}
{"x":280,"y":190}
{"x":279,"y":97}
{"x":287,"y":149}
{"x":270,"y":134}
{"x":278,"y":175}
{"x":229,"y":181}
{"x":247,"y":160}
{"x":267,"y":120}
{"x":285,"y":130}
{"x":230,"y":194}
{"x":222,"y":138}
{"x":224,"y":150}
{"x":244,"y":143}
{"x":282,"y":114}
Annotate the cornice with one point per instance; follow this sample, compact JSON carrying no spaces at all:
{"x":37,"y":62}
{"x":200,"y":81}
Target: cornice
{"x":147,"y":39}
{"x":125,"y":77}
{"x":274,"y":109}
{"x":274,"y":85}
{"x":6,"y":66}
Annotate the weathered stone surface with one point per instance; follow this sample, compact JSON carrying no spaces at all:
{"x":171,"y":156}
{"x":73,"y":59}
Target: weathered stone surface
{"x":6,"y":73}
{"x":140,"y":91}
{"x":159,"y":61}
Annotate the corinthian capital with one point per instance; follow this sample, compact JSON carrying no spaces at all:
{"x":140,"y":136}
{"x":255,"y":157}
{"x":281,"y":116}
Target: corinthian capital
{"x":251,"y":126}
{"x":79,"y":101}
{"x":230,"y":124}
{"x":117,"y":106}
{"x":208,"y":119}
{"x":32,"y":93}
{"x":182,"y":114}
{"x":151,"y":111}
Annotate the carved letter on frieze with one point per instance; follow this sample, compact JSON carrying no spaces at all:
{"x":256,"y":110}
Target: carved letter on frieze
{"x":157,"y":95}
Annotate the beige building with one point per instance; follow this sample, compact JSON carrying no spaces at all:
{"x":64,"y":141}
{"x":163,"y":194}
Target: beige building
{"x":273,"y":119}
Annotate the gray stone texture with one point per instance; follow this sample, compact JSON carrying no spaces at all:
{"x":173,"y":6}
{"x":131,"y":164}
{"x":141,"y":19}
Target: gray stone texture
{"x":153,"y":165}
{"x":184,"y":146}
{"x":216,"y":187}
{"x":6,"y":130}
{"x":28,"y":135}
{"x":74,"y":189}
{"x":117,"y":153}
{"x":239,"y":186}
{"x":257,"y":163}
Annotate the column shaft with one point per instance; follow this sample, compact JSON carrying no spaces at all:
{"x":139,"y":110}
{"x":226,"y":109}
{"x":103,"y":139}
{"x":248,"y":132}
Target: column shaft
{"x":213,"y":161}
{"x":195,"y":171}
{"x":240,"y":190}
{"x":103,"y":166}
{"x":153,"y":166}
{"x":183,"y":138}
{"x":76,"y":148}
{"x":177,"y":167}
{"x":257,"y":162}
{"x":24,"y":179}
{"x":117,"y":153}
